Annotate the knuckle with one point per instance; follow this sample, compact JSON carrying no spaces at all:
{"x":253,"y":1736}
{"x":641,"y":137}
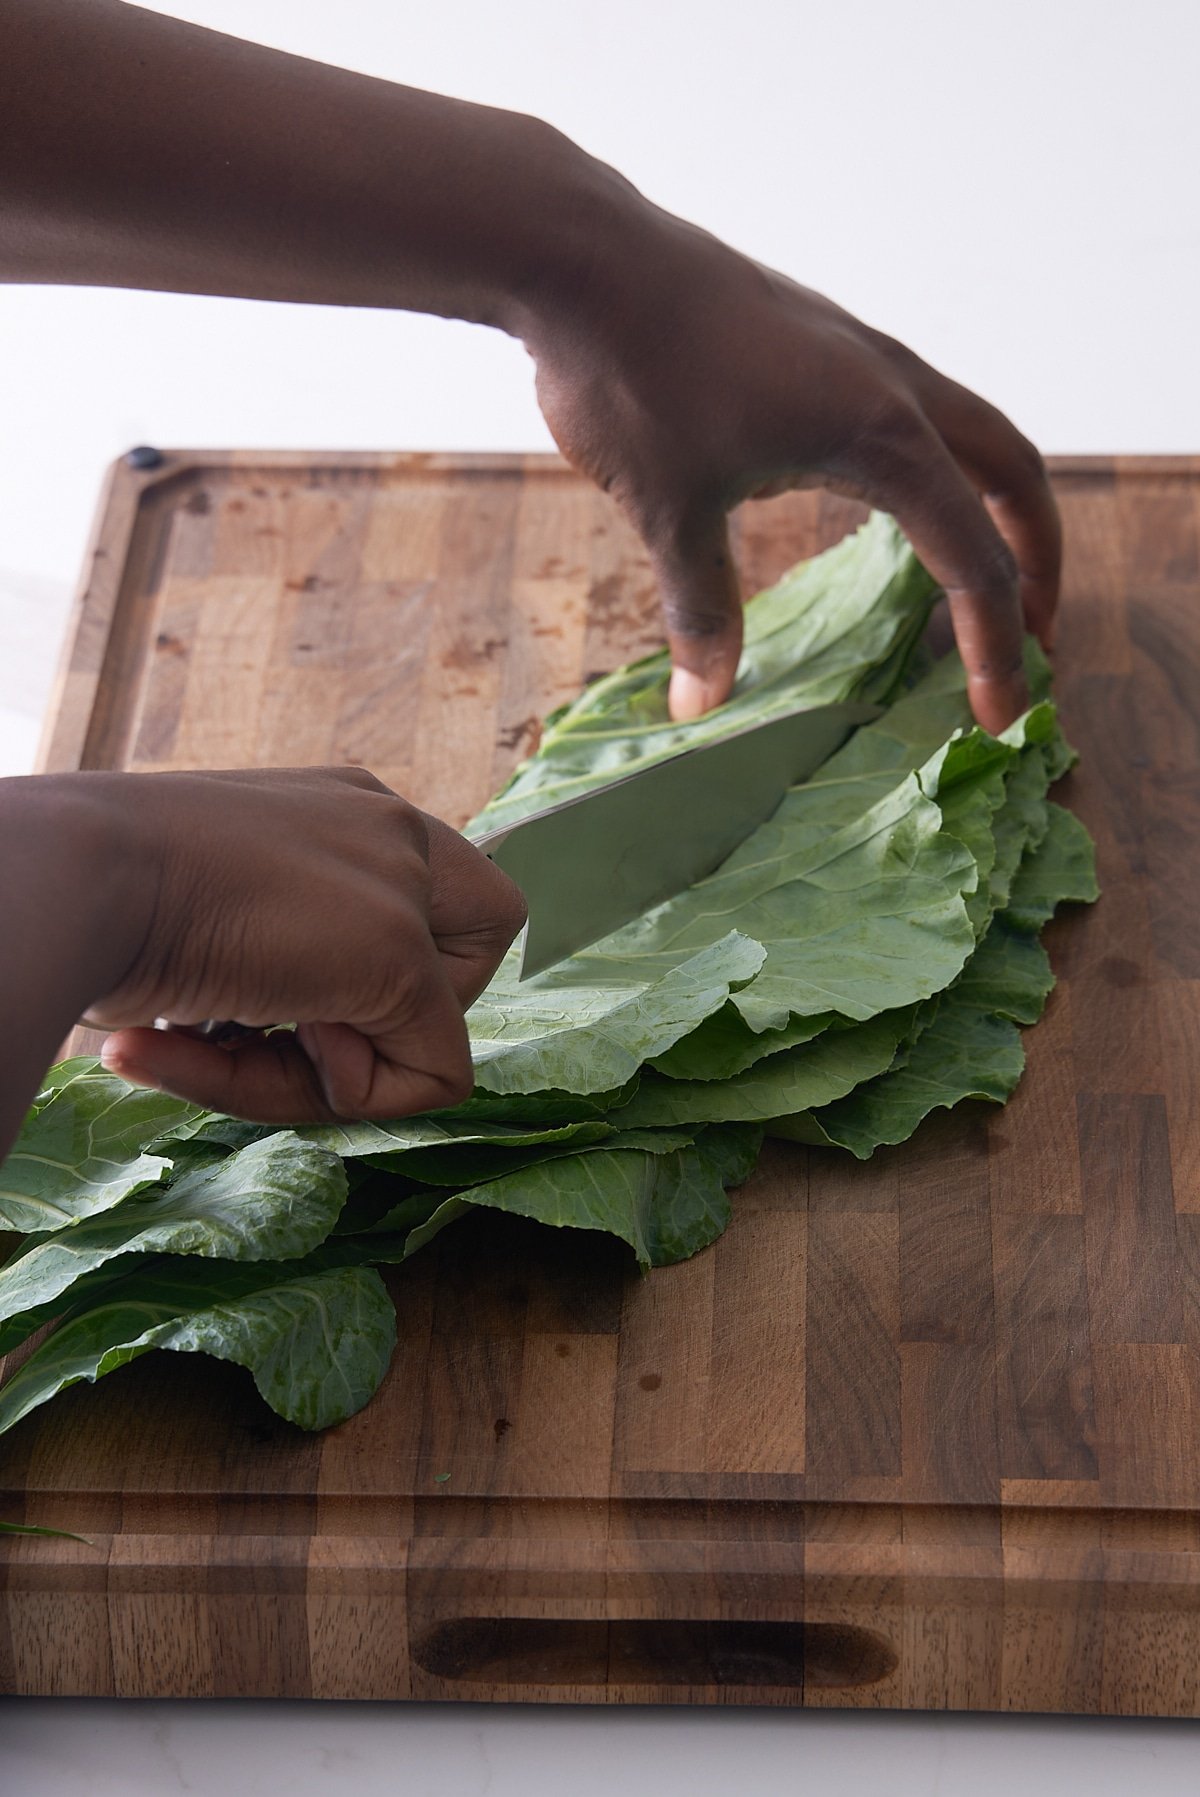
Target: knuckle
{"x":509,"y":909}
{"x":892,"y":441}
{"x":456,"y":1083}
{"x":898,"y":423}
{"x":896,"y":354}
{"x":411,"y":833}
{"x":1031,"y":459}
{"x":1024,"y":468}
{"x":706,"y":623}
{"x":363,"y":778}
{"x":997,"y":575}
{"x":679,"y":519}
{"x":410,"y":987}
{"x":999,"y":669}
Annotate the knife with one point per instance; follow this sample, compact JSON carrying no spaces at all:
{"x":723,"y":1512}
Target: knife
{"x":593,"y":863}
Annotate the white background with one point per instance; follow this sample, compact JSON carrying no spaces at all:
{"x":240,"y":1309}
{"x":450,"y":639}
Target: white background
{"x":1011,"y":189}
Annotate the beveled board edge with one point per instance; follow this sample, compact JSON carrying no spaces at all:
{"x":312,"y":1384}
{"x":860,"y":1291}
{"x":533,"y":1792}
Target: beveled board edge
{"x":103,"y":642}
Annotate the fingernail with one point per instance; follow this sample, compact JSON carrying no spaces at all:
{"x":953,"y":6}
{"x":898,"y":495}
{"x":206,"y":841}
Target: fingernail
{"x":132,"y":1072}
{"x":689,"y":695}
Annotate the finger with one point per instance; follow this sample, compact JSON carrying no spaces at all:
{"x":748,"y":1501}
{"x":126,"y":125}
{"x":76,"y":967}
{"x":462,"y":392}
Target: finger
{"x":268,"y":1079}
{"x":1011,"y":476}
{"x":475,"y":910}
{"x":320,"y":1073}
{"x":423,"y":1064}
{"x":703,"y":610}
{"x":944,"y":519}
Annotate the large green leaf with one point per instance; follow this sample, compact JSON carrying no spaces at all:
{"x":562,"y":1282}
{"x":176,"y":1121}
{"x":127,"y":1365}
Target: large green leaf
{"x":83,"y":1147}
{"x":472,"y":1164}
{"x":971,"y":1047}
{"x":316,"y":1344}
{"x":590,"y":1023}
{"x":854,"y":920}
{"x":272,"y":1201}
{"x":965,"y":1053}
{"x":798,"y":1080}
{"x":1063,"y":868}
{"x":666,"y":1206}
{"x":391,"y":1144}
{"x":724,"y":1044}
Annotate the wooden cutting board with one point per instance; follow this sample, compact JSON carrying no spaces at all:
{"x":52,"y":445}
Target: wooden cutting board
{"x":924,"y":1433}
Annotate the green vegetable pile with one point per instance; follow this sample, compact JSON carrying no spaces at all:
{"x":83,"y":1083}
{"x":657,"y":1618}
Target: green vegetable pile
{"x":865,"y":957}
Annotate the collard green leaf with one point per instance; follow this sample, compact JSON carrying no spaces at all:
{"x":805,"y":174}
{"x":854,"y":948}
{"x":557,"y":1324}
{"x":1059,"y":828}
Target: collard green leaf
{"x":965,"y":1053}
{"x":83,"y":1147}
{"x":590,"y":1023}
{"x":666,"y":1206}
{"x":1020,"y":824}
{"x":970,"y":1048}
{"x":855,"y":919}
{"x":317,"y":1347}
{"x":316,"y":1344}
{"x":973,"y":788}
{"x":87,"y":1290}
{"x":724,"y":1044}
{"x":543,"y":1109}
{"x":473,"y":1164}
{"x":1062,"y":869}
{"x":392,"y":1144}
{"x":1010,"y":976}
{"x":798,"y":1080}
{"x":272,"y":1201}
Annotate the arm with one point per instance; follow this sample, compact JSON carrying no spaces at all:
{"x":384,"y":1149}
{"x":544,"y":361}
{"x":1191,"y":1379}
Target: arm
{"x":67,"y":926}
{"x":142,"y":152}
{"x":316,"y":896}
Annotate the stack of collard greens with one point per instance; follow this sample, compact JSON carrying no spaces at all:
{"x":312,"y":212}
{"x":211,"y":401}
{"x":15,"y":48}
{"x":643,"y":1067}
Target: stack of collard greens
{"x":864,"y":957}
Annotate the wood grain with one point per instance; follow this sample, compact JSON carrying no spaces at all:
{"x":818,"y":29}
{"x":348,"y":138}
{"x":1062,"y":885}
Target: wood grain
{"x":921,"y":1433}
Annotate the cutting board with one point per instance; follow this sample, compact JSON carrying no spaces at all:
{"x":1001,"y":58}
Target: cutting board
{"x":922,"y":1433}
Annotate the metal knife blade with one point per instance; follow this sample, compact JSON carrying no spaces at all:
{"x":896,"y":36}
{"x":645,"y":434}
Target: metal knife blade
{"x":593,"y":863}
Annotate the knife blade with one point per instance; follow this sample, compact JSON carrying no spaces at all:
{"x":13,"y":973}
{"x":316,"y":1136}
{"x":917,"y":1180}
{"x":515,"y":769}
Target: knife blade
{"x":593,"y":863}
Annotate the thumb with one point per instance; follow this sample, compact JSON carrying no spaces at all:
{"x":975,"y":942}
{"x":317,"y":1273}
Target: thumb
{"x":703,"y":611}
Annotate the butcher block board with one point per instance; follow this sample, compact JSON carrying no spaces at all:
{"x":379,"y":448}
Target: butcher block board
{"x":923,"y":1433}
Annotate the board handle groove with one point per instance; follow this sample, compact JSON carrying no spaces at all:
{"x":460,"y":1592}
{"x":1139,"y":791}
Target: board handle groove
{"x":539,"y":1650}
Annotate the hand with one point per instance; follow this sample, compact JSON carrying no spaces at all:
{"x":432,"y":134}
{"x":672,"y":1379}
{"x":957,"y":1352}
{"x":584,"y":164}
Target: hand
{"x":316,"y":897}
{"x":684,"y":378}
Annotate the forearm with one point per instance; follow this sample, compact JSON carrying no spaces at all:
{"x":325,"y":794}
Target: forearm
{"x":139,"y":151}
{"x":68,"y":924}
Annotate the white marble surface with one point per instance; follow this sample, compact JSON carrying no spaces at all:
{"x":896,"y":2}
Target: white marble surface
{"x":91,"y":1749}
{"x":1011,"y":191}
{"x":33,"y":616}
